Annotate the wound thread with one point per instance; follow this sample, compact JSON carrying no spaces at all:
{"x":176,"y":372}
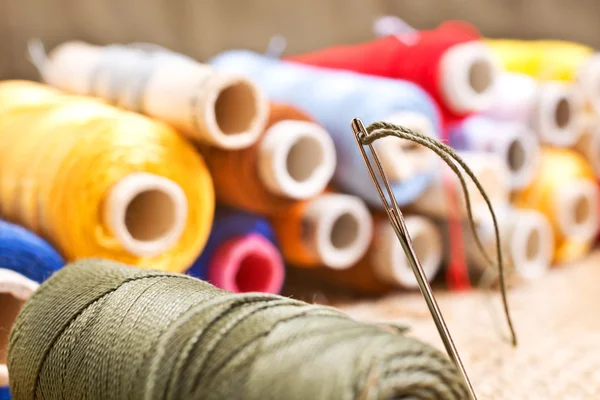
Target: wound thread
{"x":98,"y":181}
{"x":220,"y":110}
{"x":267,"y":177}
{"x":333,"y":98}
{"x":513,"y":142}
{"x":331,"y":230}
{"x":177,"y":337}
{"x":553,"y":60}
{"x":240,"y":254}
{"x":565,"y":191}
{"x":549,"y":108}
{"x":449,"y":62}
{"x":385,"y":268}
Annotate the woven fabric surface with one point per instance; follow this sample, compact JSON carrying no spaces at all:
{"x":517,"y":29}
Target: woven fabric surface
{"x":557,"y":321}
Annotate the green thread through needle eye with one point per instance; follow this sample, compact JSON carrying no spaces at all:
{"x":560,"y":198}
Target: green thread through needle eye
{"x":379,"y":130}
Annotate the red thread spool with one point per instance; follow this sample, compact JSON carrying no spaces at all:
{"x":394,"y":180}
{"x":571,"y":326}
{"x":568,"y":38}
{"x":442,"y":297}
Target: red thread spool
{"x":450,"y":62}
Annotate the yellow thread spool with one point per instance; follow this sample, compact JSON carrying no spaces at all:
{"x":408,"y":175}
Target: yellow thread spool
{"x":565,"y":190}
{"x":553,"y":60}
{"x":543,"y":59}
{"x":101,"y":182}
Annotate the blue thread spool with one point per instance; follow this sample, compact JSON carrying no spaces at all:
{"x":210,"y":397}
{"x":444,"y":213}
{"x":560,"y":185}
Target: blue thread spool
{"x":241,"y":254}
{"x":333,"y":98}
{"x":514,"y":142}
{"x":25,"y":261}
{"x":26,"y":253}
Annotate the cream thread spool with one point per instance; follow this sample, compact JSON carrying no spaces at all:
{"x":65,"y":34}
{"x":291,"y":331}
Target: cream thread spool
{"x":549,"y":108}
{"x":338,"y":228}
{"x":15,"y":289}
{"x":468,"y":72}
{"x":146,"y":213}
{"x":402,"y":159}
{"x":526,"y":236}
{"x":223,"y":110}
{"x":296,"y":159}
{"x":514,"y":142}
{"x":521,"y":152}
{"x":576,"y":208}
{"x":388,"y":258}
{"x":491,"y":172}
{"x":588,"y":81}
{"x":588,"y":143}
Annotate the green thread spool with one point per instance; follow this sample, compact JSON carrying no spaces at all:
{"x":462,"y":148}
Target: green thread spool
{"x":101,"y":330}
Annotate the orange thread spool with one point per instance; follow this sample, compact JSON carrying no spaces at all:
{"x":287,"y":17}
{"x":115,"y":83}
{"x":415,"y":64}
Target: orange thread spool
{"x":237,"y":174}
{"x":332,"y":229}
{"x":385,"y":268}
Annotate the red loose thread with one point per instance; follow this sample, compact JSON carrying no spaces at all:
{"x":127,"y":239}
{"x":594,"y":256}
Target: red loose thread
{"x":413,"y":57}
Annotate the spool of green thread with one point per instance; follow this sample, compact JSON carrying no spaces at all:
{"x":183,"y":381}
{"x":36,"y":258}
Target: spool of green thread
{"x":102,"y":330}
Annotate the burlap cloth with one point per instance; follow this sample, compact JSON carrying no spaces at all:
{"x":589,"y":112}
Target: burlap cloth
{"x":557,"y":320}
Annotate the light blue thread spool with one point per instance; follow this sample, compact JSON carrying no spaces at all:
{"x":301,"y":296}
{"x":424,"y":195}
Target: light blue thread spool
{"x":333,"y":98}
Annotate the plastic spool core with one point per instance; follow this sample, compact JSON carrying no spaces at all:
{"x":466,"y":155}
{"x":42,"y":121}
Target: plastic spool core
{"x":427,"y":245}
{"x":303,"y":158}
{"x":531,"y":244}
{"x":532,"y":247}
{"x":15,"y":289}
{"x":389,"y":260}
{"x":576,"y":209}
{"x":296,"y":159}
{"x":254,"y":273}
{"x":468,"y":73}
{"x":9,"y":309}
{"x":341,"y":229}
{"x":235,"y":108}
{"x":581,"y":210}
{"x":344,"y":231}
{"x":247,"y":264}
{"x":517,"y":155}
{"x":480,"y":76}
{"x":147,"y":213}
{"x":562,"y":114}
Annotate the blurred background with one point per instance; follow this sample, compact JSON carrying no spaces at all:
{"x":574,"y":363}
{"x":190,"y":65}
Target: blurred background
{"x":203,"y":28}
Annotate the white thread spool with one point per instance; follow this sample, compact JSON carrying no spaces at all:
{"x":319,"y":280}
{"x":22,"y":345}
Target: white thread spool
{"x":389,"y":261}
{"x":588,"y":144}
{"x":468,"y":72}
{"x":489,"y":169}
{"x":222,"y":110}
{"x":526,"y":237}
{"x":296,"y":159}
{"x":576,"y":209}
{"x":146,"y":213}
{"x":403,"y":159}
{"x":15,"y":289}
{"x":514,"y":142}
{"x":521,"y":152}
{"x":340,"y":228}
{"x":588,"y":81}
{"x":550,"y":108}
